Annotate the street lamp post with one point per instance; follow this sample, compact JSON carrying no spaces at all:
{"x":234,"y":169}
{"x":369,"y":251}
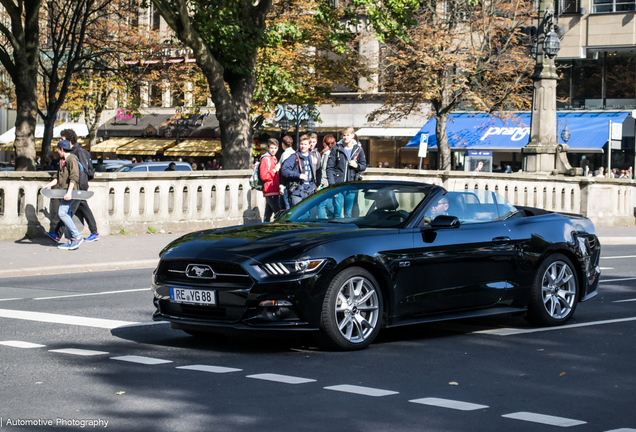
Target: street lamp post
{"x":298,"y":113}
{"x":543,"y":153}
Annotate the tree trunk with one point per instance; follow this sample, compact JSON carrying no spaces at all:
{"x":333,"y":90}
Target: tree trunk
{"x":443,"y":148}
{"x":26,"y":115}
{"x":47,"y":139}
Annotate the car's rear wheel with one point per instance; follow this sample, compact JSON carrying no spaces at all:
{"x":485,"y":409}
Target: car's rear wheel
{"x":352,"y":310}
{"x":555,"y":292}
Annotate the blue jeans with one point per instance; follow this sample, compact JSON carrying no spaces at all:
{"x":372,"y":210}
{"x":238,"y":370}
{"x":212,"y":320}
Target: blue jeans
{"x":324,"y":206}
{"x":347,"y":197}
{"x":284,"y":199}
{"x":65,"y":215}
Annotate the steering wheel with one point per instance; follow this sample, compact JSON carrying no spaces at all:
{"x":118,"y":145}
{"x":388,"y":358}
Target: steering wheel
{"x":402,"y":215}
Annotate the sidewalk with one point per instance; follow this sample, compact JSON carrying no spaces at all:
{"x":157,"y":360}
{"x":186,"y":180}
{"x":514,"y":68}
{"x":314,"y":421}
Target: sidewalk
{"x":40,"y":256}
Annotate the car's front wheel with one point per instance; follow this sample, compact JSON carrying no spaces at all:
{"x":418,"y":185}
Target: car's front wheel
{"x":352,"y":310}
{"x":555,"y":292}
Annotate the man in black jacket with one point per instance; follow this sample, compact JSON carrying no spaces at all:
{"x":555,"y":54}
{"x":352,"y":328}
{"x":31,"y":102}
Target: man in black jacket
{"x":79,"y":208}
{"x":346,"y":162}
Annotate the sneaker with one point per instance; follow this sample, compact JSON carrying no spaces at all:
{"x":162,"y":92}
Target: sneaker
{"x":92,"y":238}
{"x":53,"y":236}
{"x":66,"y":246}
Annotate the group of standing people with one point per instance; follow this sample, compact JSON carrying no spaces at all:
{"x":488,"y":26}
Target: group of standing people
{"x":73,"y":172}
{"x":300,"y":173}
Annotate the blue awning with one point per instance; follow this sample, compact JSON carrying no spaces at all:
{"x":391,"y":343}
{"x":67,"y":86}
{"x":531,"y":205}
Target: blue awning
{"x":589,"y":131}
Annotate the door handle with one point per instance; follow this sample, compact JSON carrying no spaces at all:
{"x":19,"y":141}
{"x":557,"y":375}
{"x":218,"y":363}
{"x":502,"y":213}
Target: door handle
{"x":501,"y":240}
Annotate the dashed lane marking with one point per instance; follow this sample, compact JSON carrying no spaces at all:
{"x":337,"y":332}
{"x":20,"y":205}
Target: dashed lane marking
{"x":281,"y":378}
{"x":20,"y":344}
{"x":619,"y":257}
{"x":77,"y":351}
{"x":141,"y":360}
{"x":365,"y":391}
{"x":448,"y":403}
{"x":63,"y":319}
{"x":513,"y":331}
{"x":624,"y":301}
{"x":606,"y":268}
{"x":11,"y":299}
{"x":93,"y":294}
{"x":207,"y":368}
{"x":544,"y":419}
{"x":616,"y":280}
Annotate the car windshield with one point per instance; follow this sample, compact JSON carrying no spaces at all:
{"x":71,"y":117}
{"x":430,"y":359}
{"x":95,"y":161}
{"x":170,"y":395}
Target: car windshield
{"x":367,"y":205}
{"x":124,"y":168}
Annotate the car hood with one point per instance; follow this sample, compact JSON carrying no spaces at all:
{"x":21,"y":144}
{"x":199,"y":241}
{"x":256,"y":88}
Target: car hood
{"x":258,"y":241}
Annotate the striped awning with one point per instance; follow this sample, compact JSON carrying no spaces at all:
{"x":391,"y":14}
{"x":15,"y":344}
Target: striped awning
{"x":145,"y":147}
{"x":201,"y":147}
{"x":111,"y":145}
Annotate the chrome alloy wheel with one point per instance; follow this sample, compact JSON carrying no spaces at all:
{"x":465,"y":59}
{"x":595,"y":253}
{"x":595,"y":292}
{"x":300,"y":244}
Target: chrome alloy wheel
{"x":558,"y":289}
{"x":357,"y":309}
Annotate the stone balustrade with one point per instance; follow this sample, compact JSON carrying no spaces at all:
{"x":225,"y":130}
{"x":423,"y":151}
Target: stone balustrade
{"x":183,"y":201}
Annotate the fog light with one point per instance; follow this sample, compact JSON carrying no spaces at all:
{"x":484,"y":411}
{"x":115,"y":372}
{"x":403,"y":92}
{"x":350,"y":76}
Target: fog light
{"x":270,"y":303}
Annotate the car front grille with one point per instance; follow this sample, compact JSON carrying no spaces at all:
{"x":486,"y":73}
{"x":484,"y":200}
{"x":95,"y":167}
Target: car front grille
{"x":193,"y":311}
{"x":227,"y":274}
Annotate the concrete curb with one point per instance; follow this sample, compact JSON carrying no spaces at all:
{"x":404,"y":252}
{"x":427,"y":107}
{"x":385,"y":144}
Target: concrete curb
{"x":617,"y":241}
{"x":79,"y":268}
{"x":152,"y":263}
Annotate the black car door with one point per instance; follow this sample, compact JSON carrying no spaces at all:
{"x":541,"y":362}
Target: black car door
{"x":462,"y":267}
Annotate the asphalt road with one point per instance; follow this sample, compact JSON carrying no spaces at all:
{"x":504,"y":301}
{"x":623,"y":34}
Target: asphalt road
{"x":472,"y":375}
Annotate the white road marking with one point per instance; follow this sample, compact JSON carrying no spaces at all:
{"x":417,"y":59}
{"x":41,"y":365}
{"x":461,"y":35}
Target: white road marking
{"x":622,"y":430}
{"x":617,"y":280}
{"x":624,"y":301}
{"x":448,"y":403}
{"x":77,"y":351}
{"x":144,"y":324}
{"x":11,"y":299}
{"x":513,"y":331}
{"x":544,"y":419}
{"x":606,"y":268}
{"x":366,"y":391}
{"x":93,"y":294}
{"x":212,"y":369}
{"x":619,"y":257}
{"x":63,"y":319}
{"x":281,"y":378}
{"x":20,"y":344}
{"x":141,"y":360}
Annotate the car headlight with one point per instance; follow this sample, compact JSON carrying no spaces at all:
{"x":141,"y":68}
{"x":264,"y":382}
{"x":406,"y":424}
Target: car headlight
{"x":289,"y":268}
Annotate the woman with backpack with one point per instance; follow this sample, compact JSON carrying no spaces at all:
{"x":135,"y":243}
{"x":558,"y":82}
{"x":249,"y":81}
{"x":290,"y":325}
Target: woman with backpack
{"x":268,"y":172}
{"x":345,"y":164}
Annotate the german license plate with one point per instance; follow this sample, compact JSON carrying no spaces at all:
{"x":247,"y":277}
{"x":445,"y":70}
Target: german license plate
{"x":192,"y":296}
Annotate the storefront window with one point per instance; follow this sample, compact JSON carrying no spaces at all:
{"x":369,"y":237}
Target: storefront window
{"x":620,"y":80}
{"x":588,"y":83}
{"x":564,"y":71}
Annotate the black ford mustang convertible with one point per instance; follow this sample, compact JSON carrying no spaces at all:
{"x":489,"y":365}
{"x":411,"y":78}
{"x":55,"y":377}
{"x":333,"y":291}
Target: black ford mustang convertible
{"x":355,"y":258}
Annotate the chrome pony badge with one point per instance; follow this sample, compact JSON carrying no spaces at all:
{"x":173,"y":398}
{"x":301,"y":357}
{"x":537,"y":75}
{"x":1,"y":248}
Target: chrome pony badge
{"x":200,"y":271}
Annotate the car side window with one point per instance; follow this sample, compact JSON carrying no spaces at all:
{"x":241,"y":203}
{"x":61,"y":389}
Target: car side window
{"x":139,"y":168}
{"x":157,"y":167}
{"x":181,"y":168}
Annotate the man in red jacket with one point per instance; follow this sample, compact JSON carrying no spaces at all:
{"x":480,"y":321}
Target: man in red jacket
{"x":268,"y":170}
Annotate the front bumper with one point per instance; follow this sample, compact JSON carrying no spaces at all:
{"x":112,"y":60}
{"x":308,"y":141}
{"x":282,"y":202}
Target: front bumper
{"x":239,"y":307}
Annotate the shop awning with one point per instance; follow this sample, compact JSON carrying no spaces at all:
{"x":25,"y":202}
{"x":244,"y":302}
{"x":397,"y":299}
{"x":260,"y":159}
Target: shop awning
{"x":80,"y":129}
{"x":389,"y":133}
{"x":38,"y":144}
{"x":589,"y":131}
{"x":194,"y":148}
{"x":145,"y":147}
{"x":110,"y":145}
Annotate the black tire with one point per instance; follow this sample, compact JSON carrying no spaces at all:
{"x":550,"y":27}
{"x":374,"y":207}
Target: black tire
{"x":555,"y":292}
{"x":352,"y":311}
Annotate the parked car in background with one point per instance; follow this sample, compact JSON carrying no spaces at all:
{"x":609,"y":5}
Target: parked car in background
{"x":111,"y":165}
{"x":411,"y":253}
{"x":154,"y":166}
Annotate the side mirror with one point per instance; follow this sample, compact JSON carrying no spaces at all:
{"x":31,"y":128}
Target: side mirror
{"x":443,"y":221}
